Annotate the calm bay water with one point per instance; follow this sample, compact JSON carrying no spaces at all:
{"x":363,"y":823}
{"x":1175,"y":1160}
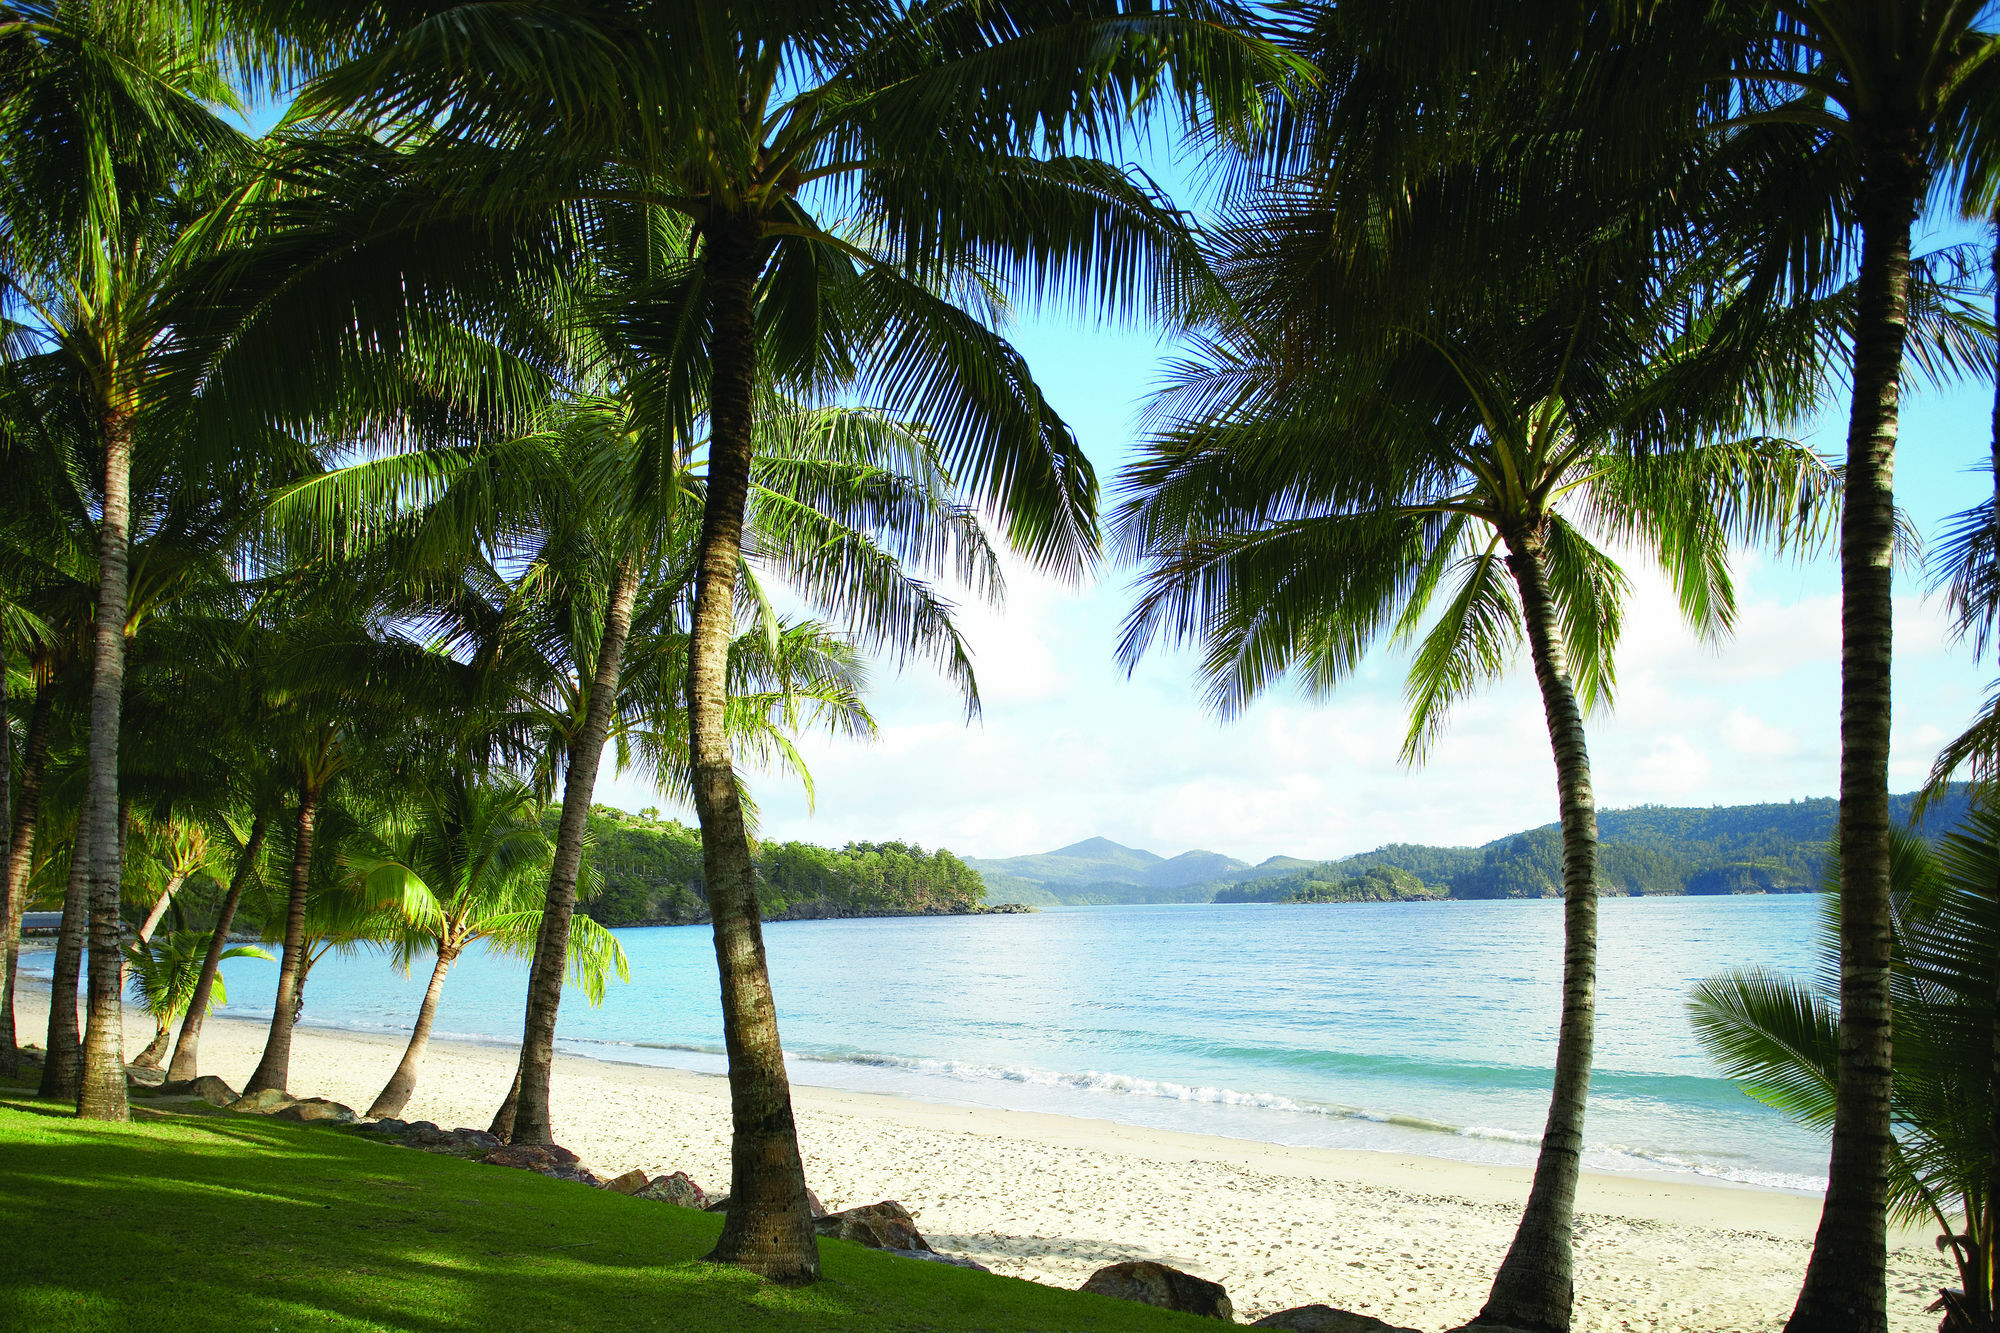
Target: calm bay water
{"x":1413,"y":1027}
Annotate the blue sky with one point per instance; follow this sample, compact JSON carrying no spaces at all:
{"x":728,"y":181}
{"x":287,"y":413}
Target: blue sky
{"x":1070,"y":747}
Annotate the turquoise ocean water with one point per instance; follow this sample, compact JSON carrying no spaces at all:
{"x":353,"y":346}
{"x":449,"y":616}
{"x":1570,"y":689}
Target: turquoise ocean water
{"x":1414,"y":1027}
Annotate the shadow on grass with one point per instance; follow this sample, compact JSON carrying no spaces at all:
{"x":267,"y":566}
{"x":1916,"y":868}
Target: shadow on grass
{"x":237,"y":1222}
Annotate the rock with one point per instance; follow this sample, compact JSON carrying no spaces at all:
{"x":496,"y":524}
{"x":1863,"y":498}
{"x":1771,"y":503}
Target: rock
{"x":630,"y":1183}
{"x":387,"y":1125}
{"x":144,"y":1077}
{"x":932,"y":1256}
{"x":207,"y":1087}
{"x":476,"y":1138}
{"x":879,"y":1226}
{"x":262,"y":1103}
{"x":423,"y":1134}
{"x":720,"y":1205}
{"x":678,"y":1189}
{"x":548,"y":1159}
{"x":1169,"y":1288}
{"x":1326,"y":1319}
{"x":316,"y":1111}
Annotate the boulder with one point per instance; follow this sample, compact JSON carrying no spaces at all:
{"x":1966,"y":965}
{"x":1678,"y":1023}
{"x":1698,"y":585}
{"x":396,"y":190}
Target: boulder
{"x":678,"y":1189}
{"x":546,"y":1159}
{"x":720,"y":1205}
{"x":388,"y":1124}
{"x":630,"y":1183}
{"x":1169,"y":1288}
{"x":315,"y":1111}
{"x":476,"y":1138}
{"x":1326,"y":1319}
{"x":144,"y":1076}
{"x":879,"y":1226}
{"x":208,"y":1087}
{"x":263,"y":1103}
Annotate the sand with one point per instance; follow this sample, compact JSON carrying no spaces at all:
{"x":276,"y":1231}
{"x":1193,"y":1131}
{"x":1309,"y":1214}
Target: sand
{"x":1411,"y":1240}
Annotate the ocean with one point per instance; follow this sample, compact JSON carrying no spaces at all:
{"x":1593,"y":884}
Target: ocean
{"x":1424,"y":1028}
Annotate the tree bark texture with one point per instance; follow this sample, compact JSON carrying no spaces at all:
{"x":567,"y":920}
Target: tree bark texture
{"x":27,"y":813}
{"x":159,"y":909}
{"x":102,"y":1093}
{"x":529,"y":1100}
{"x":768,"y":1226}
{"x":187,"y":1050}
{"x":62,"y":1064}
{"x":395,"y":1094}
{"x":1535,"y":1286}
{"x":275,"y":1069}
{"x":1846,"y":1283}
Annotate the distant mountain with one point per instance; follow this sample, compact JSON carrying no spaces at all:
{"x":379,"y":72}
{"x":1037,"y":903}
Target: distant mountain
{"x":1098,"y":870}
{"x":1647,"y":850}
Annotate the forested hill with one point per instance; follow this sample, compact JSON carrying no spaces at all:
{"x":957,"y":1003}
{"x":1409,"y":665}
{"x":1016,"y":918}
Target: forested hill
{"x":1651,"y":849}
{"x":648,"y":872}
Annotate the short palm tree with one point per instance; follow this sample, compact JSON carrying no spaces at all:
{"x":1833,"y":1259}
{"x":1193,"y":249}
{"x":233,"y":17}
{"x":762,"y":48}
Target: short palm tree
{"x":161,"y":976}
{"x":1462,"y":491}
{"x":465,"y":862}
{"x":1779,"y":1038}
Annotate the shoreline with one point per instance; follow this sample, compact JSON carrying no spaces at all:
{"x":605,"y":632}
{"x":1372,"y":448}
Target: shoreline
{"x":1411,"y":1240}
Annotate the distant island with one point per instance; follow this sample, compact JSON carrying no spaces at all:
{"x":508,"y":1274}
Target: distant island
{"x":647,"y":871}
{"x":1649,"y":850}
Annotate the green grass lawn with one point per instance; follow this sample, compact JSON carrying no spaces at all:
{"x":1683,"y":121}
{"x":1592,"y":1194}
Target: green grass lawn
{"x":186,"y":1222}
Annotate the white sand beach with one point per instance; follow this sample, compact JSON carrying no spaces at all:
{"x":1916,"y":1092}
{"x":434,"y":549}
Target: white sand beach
{"x":1411,"y":1240}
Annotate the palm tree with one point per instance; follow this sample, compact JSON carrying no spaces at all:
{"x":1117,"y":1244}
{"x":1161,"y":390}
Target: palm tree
{"x":1863,"y":105}
{"x":1780,"y":1039}
{"x":460,"y":865}
{"x":111,"y":120}
{"x":1320,"y":479}
{"x":163,"y":973}
{"x":942,"y":139}
{"x":186,"y":1062}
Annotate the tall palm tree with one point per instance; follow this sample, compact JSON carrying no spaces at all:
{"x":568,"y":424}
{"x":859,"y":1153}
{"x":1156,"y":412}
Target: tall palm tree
{"x":463,"y":863}
{"x":1320,"y":480}
{"x":111,"y":117}
{"x":943,"y":141}
{"x":1862,"y":106}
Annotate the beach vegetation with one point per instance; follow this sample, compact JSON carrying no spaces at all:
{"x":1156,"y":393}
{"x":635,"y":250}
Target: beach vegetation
{"x":1779,"y":1038}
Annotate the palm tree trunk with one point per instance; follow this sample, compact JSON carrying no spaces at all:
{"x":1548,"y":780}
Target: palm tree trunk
{"x":395,"y":1094}
{"x":8,"y":1057}
{"x":102,"y":1094}
{"x":27,"y":812}
{"x":526,"y":1111}
{"x":157,"y":1047}
{"x":1535,"y":1286}
{"x":62,"y":1064}
{"x":186,"y":1061}
{"x":1846,"y":1283}
{"x":159,"y":908}
{"x":768,"y":1227}
{"x":275,"y":1069}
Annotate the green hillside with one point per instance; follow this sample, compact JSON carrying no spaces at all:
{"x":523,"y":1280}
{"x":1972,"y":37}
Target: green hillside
{"x":1647,"y":850}
{"x":648,"y":872}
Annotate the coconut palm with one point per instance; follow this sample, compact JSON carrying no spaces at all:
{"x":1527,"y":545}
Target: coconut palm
{"x":1779,"y":1038}
{"x":161,"y":976}
{"x":464,"y":862}
{"x":112,"y":120}
{"x":1863,"y":105}
{"x":1320,"y":480}
{"x":943,"y":141}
